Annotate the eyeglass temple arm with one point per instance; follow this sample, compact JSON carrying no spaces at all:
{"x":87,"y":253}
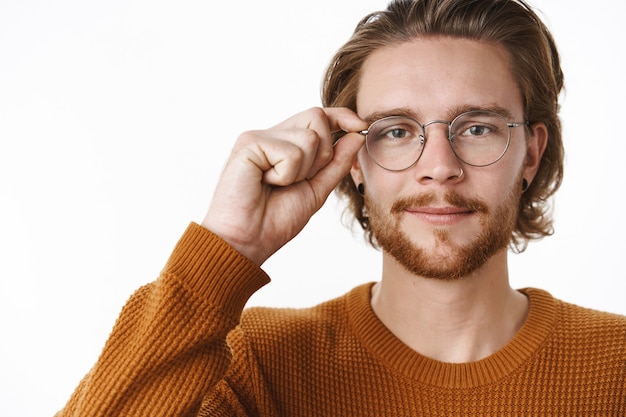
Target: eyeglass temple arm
{"x":343,"y":132}
{"x":527,"y":123}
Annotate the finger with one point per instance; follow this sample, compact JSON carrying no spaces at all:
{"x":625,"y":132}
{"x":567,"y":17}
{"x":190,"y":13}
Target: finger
{"x":329,"y":177}
{"x":332,"y":120}
{"x":315,"y":138}
{"x":310,"y":133}
{"x":288,"y":156}
{"x":320,"y":124}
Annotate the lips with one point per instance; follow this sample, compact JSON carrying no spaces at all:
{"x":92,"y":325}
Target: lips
{"x":440,"y":216}
{"x":439,"y":210}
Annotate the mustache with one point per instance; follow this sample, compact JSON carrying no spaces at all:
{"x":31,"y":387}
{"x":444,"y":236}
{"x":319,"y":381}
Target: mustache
{"x":451,"y":197}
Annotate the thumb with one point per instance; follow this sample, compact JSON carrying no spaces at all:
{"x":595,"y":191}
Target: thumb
{"x":345,"y":151}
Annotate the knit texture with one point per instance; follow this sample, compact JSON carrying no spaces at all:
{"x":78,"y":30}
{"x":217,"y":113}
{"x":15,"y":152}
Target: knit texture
{"x":183,"y":347}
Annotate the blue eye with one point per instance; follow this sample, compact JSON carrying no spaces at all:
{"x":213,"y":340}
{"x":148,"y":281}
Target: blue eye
{"x":398,"y":133}
{"x":478,"y":130}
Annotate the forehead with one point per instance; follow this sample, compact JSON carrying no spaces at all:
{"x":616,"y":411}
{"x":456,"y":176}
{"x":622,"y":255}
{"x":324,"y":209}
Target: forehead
{"x":435,"y":76}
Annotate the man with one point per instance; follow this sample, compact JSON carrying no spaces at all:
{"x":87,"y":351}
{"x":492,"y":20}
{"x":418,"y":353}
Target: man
{"x":440,"y":126}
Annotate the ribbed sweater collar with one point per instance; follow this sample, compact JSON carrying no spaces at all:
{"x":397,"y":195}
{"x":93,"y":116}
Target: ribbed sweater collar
{"x":393,"y":353}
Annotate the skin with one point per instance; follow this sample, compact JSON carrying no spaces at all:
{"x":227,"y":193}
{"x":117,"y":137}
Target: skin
{"x":472,"y":314}
{"x":276,"y":179}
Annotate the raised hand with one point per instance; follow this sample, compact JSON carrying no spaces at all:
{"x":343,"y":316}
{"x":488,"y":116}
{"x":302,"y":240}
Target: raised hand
{"x":276,"y":179}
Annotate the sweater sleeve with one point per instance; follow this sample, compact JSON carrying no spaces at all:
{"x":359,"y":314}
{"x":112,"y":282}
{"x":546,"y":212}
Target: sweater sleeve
{"x":168,"y":347}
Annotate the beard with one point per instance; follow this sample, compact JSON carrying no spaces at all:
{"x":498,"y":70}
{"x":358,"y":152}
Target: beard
{"x":459,"y":260}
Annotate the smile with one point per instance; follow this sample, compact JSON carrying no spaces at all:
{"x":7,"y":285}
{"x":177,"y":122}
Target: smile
{"x":440,"y":216}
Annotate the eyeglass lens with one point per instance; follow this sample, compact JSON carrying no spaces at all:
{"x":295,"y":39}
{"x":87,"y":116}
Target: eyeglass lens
{"x":478,"y":138}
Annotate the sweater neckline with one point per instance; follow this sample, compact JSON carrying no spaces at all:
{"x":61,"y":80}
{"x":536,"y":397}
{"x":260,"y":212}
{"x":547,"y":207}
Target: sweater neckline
{"x":385,"y":346}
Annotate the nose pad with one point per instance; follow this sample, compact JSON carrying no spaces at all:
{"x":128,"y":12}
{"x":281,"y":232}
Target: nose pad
{"x":441,"y":164}
{"x":445,"y":134}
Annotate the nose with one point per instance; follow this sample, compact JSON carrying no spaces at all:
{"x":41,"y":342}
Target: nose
{"x":438,"y":163}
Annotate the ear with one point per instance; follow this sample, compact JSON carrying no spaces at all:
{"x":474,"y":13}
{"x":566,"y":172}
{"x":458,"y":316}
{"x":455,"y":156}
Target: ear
{"x":536,"y":146}
{"x":355,"y":172}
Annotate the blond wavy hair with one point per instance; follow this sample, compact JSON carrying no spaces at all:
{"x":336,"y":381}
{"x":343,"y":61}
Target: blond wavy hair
{"x":535,"y":65}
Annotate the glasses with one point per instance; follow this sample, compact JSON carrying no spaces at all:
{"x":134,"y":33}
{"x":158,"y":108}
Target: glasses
{"x":478,"y":138}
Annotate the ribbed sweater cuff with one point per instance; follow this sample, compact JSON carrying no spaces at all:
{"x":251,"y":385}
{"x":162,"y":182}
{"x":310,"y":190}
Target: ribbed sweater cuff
{"x":209,"y":267}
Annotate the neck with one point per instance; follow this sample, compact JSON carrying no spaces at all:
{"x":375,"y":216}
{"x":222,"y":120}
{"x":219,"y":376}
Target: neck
{"x":460,"y":320}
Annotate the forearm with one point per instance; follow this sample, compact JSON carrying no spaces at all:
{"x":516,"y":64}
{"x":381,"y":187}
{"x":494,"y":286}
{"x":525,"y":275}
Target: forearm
{"x":168,"y":347}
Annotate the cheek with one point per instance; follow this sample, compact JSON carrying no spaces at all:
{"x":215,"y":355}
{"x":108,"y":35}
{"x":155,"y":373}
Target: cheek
{"x":518,"y":150}
{"x":506,"y":174}
{"x":379,"y":182}
{"x":495,"y":184}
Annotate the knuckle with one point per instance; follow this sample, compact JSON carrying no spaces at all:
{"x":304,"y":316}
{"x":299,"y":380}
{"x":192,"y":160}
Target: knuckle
{"x":250,"y":136}
{"x":311,"y":138}
{"x":316,"y":113}
{"x":294,"y":155}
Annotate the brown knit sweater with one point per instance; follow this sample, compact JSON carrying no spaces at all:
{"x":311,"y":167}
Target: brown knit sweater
{"x":168,"y":355}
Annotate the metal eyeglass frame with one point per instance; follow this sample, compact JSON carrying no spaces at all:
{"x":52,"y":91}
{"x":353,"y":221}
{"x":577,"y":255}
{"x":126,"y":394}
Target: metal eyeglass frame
{"x":509,"y":125}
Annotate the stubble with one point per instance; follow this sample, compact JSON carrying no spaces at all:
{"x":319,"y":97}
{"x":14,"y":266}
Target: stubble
{"x":449,"y":261}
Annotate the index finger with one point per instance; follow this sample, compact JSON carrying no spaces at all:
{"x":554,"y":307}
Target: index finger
{"x":344,"y":119}
{"x":337,"y":119}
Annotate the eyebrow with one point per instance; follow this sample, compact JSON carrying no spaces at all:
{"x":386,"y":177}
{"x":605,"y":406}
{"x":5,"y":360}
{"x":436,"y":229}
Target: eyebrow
{"x":452,"y":112}
{"x":494,"y":108}
{"x":398,"y":111}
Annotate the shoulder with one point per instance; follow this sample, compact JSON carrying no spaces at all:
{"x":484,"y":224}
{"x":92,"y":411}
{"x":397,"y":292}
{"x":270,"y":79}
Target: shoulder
{"x":324,"y":326}
{"x":287,"y":324}
{"x":592,"y":322}
{"x":587,"y":328}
